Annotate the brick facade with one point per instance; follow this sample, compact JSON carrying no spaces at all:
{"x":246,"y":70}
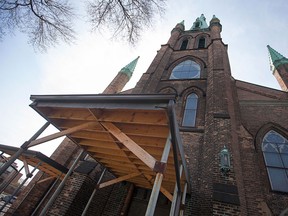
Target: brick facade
{"x":229,"y":113}
{"x":281,"y":76}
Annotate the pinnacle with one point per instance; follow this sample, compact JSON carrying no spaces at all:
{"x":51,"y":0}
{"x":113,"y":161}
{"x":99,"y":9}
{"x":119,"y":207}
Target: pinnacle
{"x":276,"y":59}
{"x":129,"y":68}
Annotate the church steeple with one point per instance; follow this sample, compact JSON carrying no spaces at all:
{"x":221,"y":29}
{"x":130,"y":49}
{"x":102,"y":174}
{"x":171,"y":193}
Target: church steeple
{"x":124,"y":75}
{"x":129,"y":68}
{"x":279,"y":67}
{"x":276,"y":59}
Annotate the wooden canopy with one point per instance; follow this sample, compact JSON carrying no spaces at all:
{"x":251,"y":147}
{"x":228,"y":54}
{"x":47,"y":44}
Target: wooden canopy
{"x":125,"y":133}
{"x":34,"y":158}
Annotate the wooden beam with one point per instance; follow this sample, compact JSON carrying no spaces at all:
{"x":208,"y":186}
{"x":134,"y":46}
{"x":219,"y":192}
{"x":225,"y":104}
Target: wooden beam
{"x":61,"y":133}
{"x":157,"y":131}
{"x":132,"y":116}
{"x":46,"y":179}
{"x":130,"y":144}
{"x":97,"y":114}
{"x":70,"y":114}
{"x":27,"y":172}
{"x":166,"y":193}
{"x":120,"y":179}
{"x":162,"y":189}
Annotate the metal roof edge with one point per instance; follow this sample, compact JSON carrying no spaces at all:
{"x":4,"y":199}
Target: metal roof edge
{"x":104,"y":97}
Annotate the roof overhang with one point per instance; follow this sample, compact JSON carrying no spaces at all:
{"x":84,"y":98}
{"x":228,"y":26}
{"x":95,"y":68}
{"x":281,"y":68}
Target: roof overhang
{"x":126,"y":133}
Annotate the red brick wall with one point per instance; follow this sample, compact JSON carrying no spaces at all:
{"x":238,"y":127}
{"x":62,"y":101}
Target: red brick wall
{"x":107,"y":201}
{"x":281,"y":74}
{"x":34,"y":192}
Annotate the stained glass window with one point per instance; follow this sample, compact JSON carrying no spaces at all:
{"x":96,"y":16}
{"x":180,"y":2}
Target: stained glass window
{"x":184,"y":45}
{"x":186,"y":70}
{"x":189,"y":117}
{"x":201,"y":43}
{"x":275,"y":151}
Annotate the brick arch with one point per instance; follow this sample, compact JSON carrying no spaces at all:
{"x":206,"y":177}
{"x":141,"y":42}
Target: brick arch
{"x":201,"y":104}
{"x":200,"y":92}
{"x":182,"y":38}
{"x":265,"y":129}
{"x":274,"y":200}
{"x":171,"y":66}
{"x":168,"y":90}
{"x":198,"y":37}
{"x":187,"y":57}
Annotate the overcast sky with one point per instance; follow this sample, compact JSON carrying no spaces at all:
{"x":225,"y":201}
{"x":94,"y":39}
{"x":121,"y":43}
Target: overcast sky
{"x":88,"y":66}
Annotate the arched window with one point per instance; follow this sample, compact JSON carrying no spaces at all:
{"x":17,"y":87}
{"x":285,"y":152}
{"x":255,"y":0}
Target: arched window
{"x":189,"y":116}
{"x":186,"y":70}
{"x":275,"y":151}
{"x":201,"y":42}
{"x":184,"y":45}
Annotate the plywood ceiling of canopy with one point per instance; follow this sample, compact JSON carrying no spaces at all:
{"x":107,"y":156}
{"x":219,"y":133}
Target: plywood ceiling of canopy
{"x":149,"y":129}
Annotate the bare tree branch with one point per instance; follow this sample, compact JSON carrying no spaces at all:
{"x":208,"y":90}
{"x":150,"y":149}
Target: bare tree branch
{"x":125,"y":18}
{"x":47,"y":22}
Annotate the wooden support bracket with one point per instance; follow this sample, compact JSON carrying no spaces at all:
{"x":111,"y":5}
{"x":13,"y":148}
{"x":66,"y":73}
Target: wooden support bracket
{"x":162,"y":189}
{"x":61,"y":133}
{"x":144,"y":156}
{"x":46,"y":179}
{"x":120,"y":179}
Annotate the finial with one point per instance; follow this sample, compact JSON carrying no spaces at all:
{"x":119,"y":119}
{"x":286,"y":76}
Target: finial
{"x":214,"y":20}
{"x":129,"y":68}
{"x":203,"y":17}
{"x":181,"y":25}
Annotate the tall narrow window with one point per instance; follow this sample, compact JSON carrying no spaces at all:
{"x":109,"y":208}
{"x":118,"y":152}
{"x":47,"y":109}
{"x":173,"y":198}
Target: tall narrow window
{"x":201,"y":42}
{"x":186,"y":70}
{"x":184,"y":45}
{"x":189,"y":117}
{"x":275,"y":151}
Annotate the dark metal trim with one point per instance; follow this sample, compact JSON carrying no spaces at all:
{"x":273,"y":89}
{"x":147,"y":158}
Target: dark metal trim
{"x":177,"y":145}
{"x":39,"y":155}
{"x":160,"y":167}
{"x":104,"y":98}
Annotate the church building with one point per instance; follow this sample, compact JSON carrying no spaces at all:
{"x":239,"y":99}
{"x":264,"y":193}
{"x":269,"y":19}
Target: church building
{"x":188,"y":139}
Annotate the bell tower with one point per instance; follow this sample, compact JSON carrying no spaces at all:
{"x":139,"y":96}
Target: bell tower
{"x":194,"y":66}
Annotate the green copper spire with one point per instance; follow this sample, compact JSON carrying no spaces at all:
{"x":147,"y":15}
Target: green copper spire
{"x":276,"y":59}
{"x":128,"y":69}
{"x":200,"y":23}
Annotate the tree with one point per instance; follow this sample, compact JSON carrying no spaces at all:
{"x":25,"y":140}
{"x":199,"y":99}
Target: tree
{"x":47,"y":22}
